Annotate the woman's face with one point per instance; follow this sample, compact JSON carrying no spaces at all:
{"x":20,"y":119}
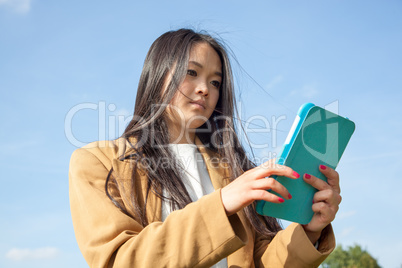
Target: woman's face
{"x":197,"y":96}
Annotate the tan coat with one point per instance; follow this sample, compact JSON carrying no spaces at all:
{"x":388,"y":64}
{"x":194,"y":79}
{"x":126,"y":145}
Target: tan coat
{"x":197,"y":236}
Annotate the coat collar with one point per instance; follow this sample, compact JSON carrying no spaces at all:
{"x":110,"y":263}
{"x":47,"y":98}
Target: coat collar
{"x":123,"y":167}
{"x":217,"y":170}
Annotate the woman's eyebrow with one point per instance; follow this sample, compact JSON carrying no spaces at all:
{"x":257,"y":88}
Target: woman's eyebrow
{"x":200,"y":65}
{"x":196,"y":63}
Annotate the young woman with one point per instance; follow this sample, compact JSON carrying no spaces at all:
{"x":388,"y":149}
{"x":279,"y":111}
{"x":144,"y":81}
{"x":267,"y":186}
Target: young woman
{"x":177,"y":189}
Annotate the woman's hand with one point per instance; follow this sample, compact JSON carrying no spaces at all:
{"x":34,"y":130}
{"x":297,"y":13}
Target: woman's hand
{"x":253,"y":185}
{"x":325,"y":202}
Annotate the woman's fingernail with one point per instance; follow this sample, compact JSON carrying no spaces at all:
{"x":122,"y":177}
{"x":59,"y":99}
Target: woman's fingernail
{"x":296,"y":174}
{"x":290,"y":196}
{"x":323,"y":167}
{"x":313,"y":201}
{"x":307,"y":176}
{"x":281,"y":200}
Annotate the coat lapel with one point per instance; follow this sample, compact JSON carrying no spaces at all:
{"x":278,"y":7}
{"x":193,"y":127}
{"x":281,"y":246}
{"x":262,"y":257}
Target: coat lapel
{"x":123,"y":168}
{"x":218,"y":172}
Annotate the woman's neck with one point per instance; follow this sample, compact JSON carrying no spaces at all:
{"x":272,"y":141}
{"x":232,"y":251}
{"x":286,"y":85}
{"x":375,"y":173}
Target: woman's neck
{"x":178,"y":134}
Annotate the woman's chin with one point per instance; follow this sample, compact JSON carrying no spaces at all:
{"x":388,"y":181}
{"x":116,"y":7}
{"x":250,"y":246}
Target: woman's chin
{"x":196,"y":124}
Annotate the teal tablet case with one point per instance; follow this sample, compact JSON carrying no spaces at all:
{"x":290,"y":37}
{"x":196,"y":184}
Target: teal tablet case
{"x":317,"y":137}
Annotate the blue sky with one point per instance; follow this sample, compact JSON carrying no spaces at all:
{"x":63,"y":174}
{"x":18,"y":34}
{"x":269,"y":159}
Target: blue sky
{"x":68,"y":65}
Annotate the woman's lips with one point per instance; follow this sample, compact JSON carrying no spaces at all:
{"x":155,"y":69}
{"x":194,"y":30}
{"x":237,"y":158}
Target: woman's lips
{"x":199,"y":103}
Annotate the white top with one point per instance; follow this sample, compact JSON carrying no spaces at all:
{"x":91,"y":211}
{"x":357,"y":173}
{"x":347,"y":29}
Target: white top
{"x":195,"y":178}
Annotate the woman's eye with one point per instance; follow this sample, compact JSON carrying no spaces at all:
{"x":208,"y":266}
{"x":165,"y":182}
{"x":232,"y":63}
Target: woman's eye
{"x":216,"y":84}
{"x":192,"y":72}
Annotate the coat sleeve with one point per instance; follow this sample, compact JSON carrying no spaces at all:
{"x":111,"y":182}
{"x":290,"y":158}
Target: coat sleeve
{"x":198,"y":235}
{"x":292,"y":248}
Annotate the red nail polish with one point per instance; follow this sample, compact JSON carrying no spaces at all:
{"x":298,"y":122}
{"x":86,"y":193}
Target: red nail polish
{"x":281,"y":200}
{"x":296,"y":174}
{"x":313,"y":201}
{"x":307,"y":176}
{"x":323,"y":167}
{"x":290,"y":196}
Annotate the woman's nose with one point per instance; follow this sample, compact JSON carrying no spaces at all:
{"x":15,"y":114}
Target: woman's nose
{"x":202,"y":88}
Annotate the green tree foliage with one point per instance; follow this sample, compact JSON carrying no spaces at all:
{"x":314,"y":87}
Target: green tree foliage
{"x":353,"y":257}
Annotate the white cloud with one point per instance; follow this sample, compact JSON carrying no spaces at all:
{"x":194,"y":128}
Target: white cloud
{"x":17,"y":254}
{"x":307,"y":91}
{"x":345,"y":232}
{"x":347,"y":214}
{"x":275,"y":81}
{"x":19,"y":6}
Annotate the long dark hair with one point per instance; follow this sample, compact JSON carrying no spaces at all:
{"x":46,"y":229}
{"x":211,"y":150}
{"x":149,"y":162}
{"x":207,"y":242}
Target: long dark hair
{"x":168,"y":58}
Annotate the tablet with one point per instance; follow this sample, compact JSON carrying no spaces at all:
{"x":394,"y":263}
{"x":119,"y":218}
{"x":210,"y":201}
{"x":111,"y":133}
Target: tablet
{"x":317,"y":137}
